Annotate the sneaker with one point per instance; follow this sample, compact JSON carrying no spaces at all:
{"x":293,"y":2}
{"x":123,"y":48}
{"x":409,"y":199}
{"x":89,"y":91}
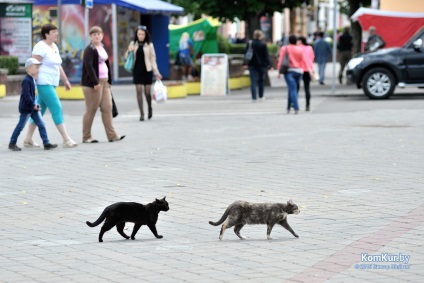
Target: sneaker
{"x":14,"y":147}
{"x":48,"y":146}
{"x":30,"y":144}
{"x":69,"y":144}
{"x":262,"y":98}
{"x":190,"y":78}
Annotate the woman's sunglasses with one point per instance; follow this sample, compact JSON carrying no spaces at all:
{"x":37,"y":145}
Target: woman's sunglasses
{"x":142,"y":27}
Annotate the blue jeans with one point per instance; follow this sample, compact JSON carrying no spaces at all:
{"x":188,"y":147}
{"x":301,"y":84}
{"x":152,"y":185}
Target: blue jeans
{"x":257,"y":77}
{"x":321,"y":71}
{"x":292,"y":80}
{"x":36,"y":116}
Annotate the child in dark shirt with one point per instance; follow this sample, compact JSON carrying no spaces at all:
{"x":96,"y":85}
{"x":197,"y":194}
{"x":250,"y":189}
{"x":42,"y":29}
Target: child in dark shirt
{"x":28,"y":107}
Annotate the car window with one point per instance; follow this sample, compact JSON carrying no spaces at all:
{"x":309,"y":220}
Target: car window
{"x":415,"y":37}
{"x":422,"y":38}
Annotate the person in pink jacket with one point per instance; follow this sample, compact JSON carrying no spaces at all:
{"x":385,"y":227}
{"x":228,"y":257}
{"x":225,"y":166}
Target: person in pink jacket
{"x":308,"y":68}
{"x":295,"y":71}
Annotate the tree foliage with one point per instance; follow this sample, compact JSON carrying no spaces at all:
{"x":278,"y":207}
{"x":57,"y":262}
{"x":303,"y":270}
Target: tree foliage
{"x":249,"y":11}
{"x":349,"y":7}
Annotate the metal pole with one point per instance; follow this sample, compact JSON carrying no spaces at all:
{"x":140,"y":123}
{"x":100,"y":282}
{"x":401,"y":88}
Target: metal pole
{"x":333,"y":88}
{"x":316,"y":14}
{"x":87,"y":39}
{"x":59,"y":20}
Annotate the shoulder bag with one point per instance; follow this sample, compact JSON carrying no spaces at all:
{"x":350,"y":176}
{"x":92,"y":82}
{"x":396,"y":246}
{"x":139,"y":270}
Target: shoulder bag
{"x":285,"y":64}
{"x":129,"y":63}
{"x":249,"y":53}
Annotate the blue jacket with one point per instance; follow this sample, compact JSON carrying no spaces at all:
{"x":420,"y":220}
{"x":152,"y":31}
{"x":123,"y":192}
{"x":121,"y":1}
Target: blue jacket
{"x":27,"y":101}
{"x":322,"y":50}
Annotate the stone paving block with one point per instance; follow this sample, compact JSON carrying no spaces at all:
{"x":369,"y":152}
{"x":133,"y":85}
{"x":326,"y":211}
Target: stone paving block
{"x":356,"y":176}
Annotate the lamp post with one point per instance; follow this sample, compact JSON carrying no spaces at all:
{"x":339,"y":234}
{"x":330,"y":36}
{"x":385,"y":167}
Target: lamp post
{"x":333,"y":87}
{"x":59,"y":19}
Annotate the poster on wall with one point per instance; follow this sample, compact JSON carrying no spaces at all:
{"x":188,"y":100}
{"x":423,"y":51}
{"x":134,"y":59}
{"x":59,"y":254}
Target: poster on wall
{"x":73,"y":33}
{"x":214,"y":79}
{"x":15,"y":30}
{"x":72,"y":44}
{"x":127,"y":21}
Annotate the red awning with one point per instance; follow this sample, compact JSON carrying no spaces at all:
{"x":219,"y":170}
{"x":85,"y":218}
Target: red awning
{"x":394,"y":27}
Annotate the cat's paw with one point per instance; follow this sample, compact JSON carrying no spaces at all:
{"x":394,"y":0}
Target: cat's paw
{"x":100,"y":241}
{"x":296,"y":235}
{"x":159,"y":236}
{"x":269,"y":237}
{"x":132,"y":238}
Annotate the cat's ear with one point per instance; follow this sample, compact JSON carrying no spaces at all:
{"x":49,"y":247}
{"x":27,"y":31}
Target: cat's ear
{"x":164,"y":198}
{"x":290,"y":202}
{"x":156,"y":199}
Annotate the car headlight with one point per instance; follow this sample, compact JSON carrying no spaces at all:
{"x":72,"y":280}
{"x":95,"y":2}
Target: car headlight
{"x":354,"y":62}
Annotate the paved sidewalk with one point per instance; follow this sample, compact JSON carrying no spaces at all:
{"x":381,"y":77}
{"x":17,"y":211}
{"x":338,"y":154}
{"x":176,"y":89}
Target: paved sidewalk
{"x":357,"y":177}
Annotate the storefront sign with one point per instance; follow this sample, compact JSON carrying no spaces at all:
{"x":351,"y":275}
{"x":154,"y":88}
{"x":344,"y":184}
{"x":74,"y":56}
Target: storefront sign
{"x":16,"y":30}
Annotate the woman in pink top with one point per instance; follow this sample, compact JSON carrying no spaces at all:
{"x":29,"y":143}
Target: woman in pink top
{"x":295,"y":72}
{"x":308,"y":53}
{"x":96,"y":80}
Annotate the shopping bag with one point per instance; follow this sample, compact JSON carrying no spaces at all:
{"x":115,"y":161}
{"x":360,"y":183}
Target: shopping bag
{"x":314,"y":75}
{"x":129,"y":63}
{"x":114,"y":108}
{"x":160,"y":94}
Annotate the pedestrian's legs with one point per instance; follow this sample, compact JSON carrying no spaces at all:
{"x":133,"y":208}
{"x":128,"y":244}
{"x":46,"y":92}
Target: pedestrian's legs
{"x":23,"y":118}
{"x":38,"y":120}
{"x":106,"y":110}
{"x":31,"y":126}
{"x":306,"y":84}
{"x":30,"y":133}
{"x":321,"y":70}
{"x":147,"y":92}
{"x":292,"y":78}
{"x":139,"y":89}
{"x":92,"y":101}
{"x":253,"y":78}
{"x":261,"y":81}
{"x":48,"y":95}
{"x":344,"y":59}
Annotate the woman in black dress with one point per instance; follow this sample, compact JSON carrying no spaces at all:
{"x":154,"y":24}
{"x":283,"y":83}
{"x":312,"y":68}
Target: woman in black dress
{"x":144,"y":67}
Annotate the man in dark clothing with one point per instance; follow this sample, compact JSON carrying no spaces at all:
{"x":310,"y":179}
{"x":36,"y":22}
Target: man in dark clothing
{"x":258,"y":65}
{"x":345,"y":51}
{"x":374,"y":40}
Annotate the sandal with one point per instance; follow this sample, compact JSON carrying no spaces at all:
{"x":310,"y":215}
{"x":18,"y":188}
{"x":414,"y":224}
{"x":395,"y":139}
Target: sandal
{"x":118,"y":139}
{"x":30,"y":144}
{"x":90,"y":141}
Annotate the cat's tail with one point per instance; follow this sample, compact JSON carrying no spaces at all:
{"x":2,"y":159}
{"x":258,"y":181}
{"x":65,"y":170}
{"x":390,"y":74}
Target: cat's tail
{"x":98,"y":221}
{"x":224,"y":216}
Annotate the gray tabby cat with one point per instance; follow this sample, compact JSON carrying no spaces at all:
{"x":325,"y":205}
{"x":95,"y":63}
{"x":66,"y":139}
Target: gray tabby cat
{"x":240,"y":213}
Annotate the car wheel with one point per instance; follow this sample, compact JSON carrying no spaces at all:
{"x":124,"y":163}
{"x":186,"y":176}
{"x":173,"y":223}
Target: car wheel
{"x":378,"y":83}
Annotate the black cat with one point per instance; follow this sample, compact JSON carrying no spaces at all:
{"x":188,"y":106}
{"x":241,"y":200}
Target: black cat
{"x":140,"y":214}
{"x":240,"y":213}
